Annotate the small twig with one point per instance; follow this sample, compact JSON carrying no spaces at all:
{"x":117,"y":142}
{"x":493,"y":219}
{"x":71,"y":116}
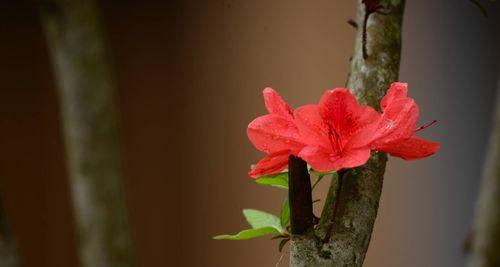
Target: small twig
{"x":480,"y":7}
{"x":352,"y":23}
{"x":317,"y":181}
{"x":340,"y":177}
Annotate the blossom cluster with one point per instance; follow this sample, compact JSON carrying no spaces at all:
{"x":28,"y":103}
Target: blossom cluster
{"x":337,"y":133}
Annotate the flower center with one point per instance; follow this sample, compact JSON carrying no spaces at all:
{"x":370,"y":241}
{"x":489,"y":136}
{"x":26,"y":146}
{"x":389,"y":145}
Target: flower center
{"x":335,"y":140}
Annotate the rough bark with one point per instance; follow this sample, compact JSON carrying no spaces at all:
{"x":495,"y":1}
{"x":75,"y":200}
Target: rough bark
{"x":9,"y":255}
{"x":89,"y":114}
{"x":486,"y":240}
{"x":359,"y":198}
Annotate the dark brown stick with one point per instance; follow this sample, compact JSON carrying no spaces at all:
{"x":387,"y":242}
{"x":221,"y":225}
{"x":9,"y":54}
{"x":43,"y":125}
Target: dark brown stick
{"x":299,"y":193}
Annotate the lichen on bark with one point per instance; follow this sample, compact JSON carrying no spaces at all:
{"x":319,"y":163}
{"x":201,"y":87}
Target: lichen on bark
{"x":359,"y":198}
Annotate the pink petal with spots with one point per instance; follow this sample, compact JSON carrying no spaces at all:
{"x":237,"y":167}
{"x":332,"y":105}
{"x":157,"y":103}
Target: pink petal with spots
{"x":411,"y":148}
{"x":275,"y":104}
{"x":312,"y":128}
{"x":322,"y":159}
{"x":271,"y":133}
{"x":398,"y":122}
{"x":271,"y":164}
{"x":397,"y":91}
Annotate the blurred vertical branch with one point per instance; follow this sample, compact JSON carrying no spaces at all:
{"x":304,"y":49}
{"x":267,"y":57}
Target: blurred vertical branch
{"x":358,"y":199}
{"x":87,"y":104}
{"x":9,"y":255}
{"x":486,"y":240}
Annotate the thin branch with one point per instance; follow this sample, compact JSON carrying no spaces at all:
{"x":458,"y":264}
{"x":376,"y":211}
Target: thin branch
{"x":479,"y":6}
{"x":320,"y":177}
{"x":340,"y":181}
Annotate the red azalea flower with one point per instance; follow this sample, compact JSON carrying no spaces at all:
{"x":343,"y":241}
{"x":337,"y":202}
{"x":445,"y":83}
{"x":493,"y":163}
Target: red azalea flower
{"x":336,"y":131}
{"x":275,"y":134}
{"x":394,"y":130}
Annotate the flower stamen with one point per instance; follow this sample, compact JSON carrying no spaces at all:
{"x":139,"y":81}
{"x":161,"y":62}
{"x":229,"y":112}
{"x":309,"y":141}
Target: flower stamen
{"x":425,"y":126}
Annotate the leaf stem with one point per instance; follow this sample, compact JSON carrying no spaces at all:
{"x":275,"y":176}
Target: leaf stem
{"x":317,"y":181}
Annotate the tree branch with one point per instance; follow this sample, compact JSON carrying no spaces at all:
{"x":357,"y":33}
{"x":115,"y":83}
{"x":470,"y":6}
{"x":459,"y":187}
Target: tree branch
{"x":87,"y":105}
{"x":486,"y":239}
{"x":9,"y":255}
{"x":359,"y":198}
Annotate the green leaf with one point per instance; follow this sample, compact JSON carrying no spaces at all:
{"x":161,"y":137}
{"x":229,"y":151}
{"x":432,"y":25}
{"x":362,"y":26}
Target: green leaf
{"x":248,"y":233}
{"x":285,"y":214}
{"x":260,"y":219}
{"x":278,"y":180}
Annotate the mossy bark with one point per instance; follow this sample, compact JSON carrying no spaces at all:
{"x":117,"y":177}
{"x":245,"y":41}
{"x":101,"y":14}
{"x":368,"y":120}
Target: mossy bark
{"x":9,"y":255}
{"x":359,"y":197}
{"x":486,"y":239}
{"x":89,"y":114}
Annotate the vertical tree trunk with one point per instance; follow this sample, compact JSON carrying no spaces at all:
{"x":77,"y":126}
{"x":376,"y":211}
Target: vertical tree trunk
{"x":9,"y":256}
{"x":486,"y":240}
{"x":358,"y":199}
{"x":87,"y":105}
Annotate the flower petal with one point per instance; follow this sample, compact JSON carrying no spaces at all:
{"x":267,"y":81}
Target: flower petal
{"x":398,"y":122}
{"x":341,"y":112}
{"x":368,"y":121}
{"x":275,"y":104}
{"x":411,"y":148}
{"x":271,"y":133}
{"x":397,"y":91}
{"x":318,"y":157}
{"x":353,"y":158}
{"x":338,"y":107}
{"x":312,"y":128}
{"x":271,"y":164}
{"x":323,"y":160}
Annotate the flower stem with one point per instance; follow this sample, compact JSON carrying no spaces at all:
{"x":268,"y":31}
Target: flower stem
{"x":340,"y":181}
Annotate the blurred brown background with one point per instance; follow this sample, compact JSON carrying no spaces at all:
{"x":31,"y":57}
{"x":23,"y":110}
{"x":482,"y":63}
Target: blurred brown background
{"x":189,"y":77}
